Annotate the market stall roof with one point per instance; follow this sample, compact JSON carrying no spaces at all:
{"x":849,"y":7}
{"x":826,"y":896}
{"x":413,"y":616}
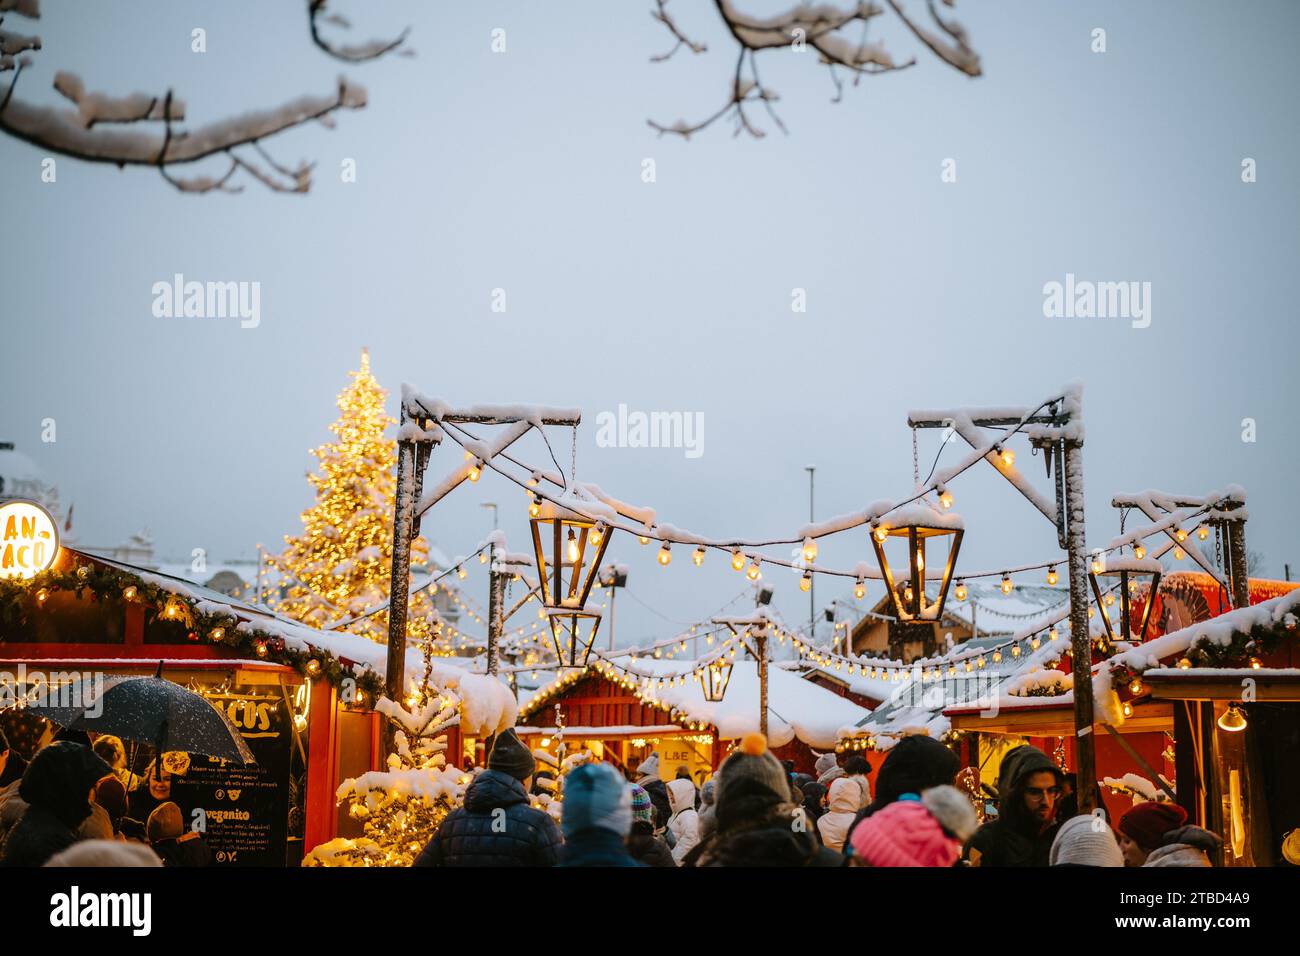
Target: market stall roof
{"x":796,"y":708}
{"x":487,"y":705}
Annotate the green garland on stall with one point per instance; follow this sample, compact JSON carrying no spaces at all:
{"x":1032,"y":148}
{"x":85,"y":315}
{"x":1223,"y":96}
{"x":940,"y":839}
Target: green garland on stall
{"x":19,"y":598}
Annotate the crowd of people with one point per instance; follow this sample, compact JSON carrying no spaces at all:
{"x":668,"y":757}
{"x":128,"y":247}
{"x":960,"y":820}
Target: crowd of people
{"x":757,"y":812}
{"x":76,"y":803}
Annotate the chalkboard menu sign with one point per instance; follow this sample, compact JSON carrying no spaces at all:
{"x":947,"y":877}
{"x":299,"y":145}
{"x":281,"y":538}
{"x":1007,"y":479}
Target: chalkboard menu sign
{"x":243,"y":811}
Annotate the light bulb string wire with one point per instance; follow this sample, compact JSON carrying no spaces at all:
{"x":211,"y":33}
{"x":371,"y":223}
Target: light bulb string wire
{"x":859,"y":573}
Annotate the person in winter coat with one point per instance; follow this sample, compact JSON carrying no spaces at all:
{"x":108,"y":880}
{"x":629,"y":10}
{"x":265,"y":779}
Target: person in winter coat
{"x":1085,"y":840}
{"x":758,"y":820}
{"x":1029,"y":784}
{"x":596,"y":818}
{"x":913,"y":765}
{"x":648,"y":778}
{"x":476,"y":834}
{"x":1186,"y":846}
{"x":57,"y":788}
{"x":1158,"y":831}
{"x":813,"y":801}
{"x":925,"y":829}
{"x":685,"y":820}
{"x":842,"y":806}
{"x":154,"y":789}
{"x":857,"y":769}
{"x":175,"y":845}
{"x":827,"y":769}
{"x":642,"y":843}
{"x":708,"y":815}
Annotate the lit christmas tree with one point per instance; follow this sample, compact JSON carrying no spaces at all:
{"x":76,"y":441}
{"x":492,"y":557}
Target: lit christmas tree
{"x":339,"y":567}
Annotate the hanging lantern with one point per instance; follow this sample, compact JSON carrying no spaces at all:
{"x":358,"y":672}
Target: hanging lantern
{"x":697,"y":558}
{"x":1051,"y":576}
{"x":1233,"y":719}
{"x":717,"y":674}
{"x":1006,"y":583}
{"x":919,"y":525}
{"x":573,"y":631}
{"x":566,"y":566}
{"x":1129,"y":571}
{"x":960,"y":590}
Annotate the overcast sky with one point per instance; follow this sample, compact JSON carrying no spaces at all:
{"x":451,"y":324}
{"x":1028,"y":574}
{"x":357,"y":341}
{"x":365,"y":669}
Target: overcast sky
{"x":523,"y":171}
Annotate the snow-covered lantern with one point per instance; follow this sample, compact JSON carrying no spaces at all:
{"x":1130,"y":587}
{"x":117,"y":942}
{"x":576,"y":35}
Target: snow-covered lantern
{"x":716,"y":676}
{"x":922,"y":528}
{"x":569,"y":548}
{"x":1130,"y":571}
{"x":573,"y":630}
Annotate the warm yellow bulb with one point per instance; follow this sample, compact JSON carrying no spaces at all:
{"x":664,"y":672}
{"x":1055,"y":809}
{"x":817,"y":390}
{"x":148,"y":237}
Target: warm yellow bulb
{"x":572,"y":547}
{"x":1179,"y":554}
{"x":882,"y":533}
{"x":1051,"y":576}
{"x":1202,"y":532}
{"x":665,"y":555}
{"x":535,"y":508}
{"x":474,"y":472}
{"x":859,"y":591}
{"x":1180,"y":534}
{"x":960,"y":591}
{"x":737,"y":560}
{"x":1097,"y":566}
{"x":597,"y":535}
{"x":1008,"y":457}
{"x":698,"y":557}
{"x":805,"y":582}
{"x":1139,"y":552}
{"x":809,"y":550}
{"x":753,"y":572}
{"x":945,"y":500}
{"x":1006,"y":584}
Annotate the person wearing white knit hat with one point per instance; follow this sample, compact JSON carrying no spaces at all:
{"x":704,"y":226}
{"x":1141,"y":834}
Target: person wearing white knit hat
{"x":1085,"y":840}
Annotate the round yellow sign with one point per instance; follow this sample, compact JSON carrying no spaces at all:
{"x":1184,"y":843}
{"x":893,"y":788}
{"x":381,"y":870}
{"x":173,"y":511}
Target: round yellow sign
{"x":29,"y":539}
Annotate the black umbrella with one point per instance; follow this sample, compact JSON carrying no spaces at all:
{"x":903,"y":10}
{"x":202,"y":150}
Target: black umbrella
{"x":148,"y":710}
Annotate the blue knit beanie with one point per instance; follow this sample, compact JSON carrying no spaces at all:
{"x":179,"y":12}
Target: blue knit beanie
{"x":595,"y":795}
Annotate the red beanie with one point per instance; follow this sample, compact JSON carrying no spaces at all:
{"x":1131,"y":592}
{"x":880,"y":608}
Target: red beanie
{"x":1147,"y":823}
{"x":903,"y":834}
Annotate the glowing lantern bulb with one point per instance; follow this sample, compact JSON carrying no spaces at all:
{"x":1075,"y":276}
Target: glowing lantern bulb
{"x":1202,"y":532}
{"x":1008,"y":457}
{"x":1179,"y":554}
{"x":1097,"y":566}
{"x":859,"y":590}
{"x":597,"y":535}
{"x":945,"y":500}
{"x":572,"y":547}
{"x":1051,"y":576}
{"x":805,"y":582}
{"x":475,"y":472}
{"x":881,"y":533}
{"x":753,"y":571}
{"x":698,"y":557}
{"x":737,"y":560}
{"x":1180,"y":534}
{"x":1006,"y":584}
{"x":961,"y":591}
{"x":535,"y":507}
{"x":665,"y":555}
{"x":1139,"y":552}
{"x":809,"y":550}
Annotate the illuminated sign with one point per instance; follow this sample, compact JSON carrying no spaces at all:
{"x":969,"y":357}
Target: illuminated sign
{"x":29,"y":539}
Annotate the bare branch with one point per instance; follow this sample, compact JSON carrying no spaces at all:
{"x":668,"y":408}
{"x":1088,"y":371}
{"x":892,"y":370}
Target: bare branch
{"x":358,"y":53}
{"x":820,"y":27}
{"x":682,"y":39}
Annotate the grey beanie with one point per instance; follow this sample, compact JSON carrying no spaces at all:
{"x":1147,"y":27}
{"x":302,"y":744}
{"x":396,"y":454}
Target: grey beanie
{"x":1085,"y":840}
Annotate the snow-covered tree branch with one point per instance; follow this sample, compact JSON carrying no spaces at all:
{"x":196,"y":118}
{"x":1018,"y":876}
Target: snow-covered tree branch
{"x":822,"y":28}
{"x":94,"y":131}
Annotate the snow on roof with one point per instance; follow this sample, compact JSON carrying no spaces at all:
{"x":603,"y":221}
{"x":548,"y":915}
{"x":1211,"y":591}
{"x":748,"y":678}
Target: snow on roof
{"x":1275,"y":612}
{"x":796,"y":707}
{"x":487,"y":705}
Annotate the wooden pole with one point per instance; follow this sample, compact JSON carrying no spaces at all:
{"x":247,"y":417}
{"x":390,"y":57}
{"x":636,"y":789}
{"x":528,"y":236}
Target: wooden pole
{"x":1237,"y":557}
{"x":1080,"y":639}
{"x":760,"y":644}
{"x":399,"y":586}
{"x":496,"y":601}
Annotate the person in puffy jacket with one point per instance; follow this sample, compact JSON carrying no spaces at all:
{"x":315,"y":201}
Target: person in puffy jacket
{"x":57,"y":787}
{"x":596,"y":817}
{"x":642,"y":843}
{"x":685,"y":819}
{"x":496,"y":826}
{"x":842,"y":807}
{"x":925,"y":829}
{"x":1157,"y":834}
{"x":758,"y":821}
